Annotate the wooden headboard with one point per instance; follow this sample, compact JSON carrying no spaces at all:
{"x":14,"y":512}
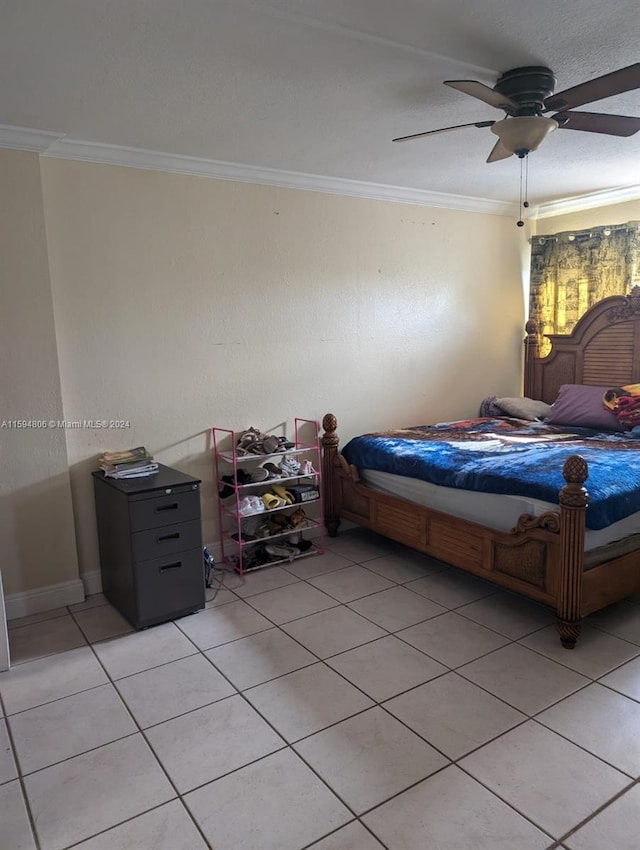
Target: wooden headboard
{"x":602,"y":350}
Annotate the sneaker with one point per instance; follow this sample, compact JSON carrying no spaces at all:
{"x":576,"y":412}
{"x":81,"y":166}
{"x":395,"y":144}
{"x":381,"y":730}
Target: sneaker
{"x":307,"y":468}
{"x":289,"y":467}
{"x":281,"y":550}
{"x":250,"y":505}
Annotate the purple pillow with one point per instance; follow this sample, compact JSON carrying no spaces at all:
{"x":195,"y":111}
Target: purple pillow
{"x":583,"y":407}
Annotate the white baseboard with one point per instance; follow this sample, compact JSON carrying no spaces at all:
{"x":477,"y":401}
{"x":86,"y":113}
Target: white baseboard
{"x":44,"y":599}
{"x":70,"y":592}
{"x":92,"y":582}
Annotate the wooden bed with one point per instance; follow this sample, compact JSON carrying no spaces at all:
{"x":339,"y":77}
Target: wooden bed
{"x":543,"y":557}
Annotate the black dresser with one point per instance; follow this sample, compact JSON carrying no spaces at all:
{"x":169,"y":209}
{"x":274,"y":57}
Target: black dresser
{"x":150,"y":539}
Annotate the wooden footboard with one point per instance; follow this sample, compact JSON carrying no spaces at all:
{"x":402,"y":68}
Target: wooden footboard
{"x":541,"y":558}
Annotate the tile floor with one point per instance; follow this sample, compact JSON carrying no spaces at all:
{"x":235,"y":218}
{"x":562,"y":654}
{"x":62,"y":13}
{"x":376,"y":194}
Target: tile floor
{"x":368,"y":698}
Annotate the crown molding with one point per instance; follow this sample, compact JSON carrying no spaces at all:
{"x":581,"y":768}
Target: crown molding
{"x":60,"y":147}
{"x":57,"y":145}
{"x":24,"y":139}
{"x":587,"y":202}
{"x":179,"y":164}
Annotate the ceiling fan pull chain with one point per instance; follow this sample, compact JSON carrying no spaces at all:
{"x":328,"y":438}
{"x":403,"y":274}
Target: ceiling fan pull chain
{"x":520,"y":222}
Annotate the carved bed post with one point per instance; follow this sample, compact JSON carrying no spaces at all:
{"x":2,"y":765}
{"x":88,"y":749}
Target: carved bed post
{"x":573,"y":507}
{"x":531,"y":355}
{"x":330,"y":441}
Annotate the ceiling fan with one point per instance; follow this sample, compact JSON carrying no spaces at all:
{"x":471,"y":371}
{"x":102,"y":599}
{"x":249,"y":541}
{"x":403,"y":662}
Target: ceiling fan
{"x":525,"y":94}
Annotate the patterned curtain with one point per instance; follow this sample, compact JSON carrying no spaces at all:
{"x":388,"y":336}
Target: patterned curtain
{"x":573,"y":270}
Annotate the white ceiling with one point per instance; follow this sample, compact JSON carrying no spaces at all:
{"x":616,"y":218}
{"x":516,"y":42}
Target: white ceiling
{"x":320,"y":87}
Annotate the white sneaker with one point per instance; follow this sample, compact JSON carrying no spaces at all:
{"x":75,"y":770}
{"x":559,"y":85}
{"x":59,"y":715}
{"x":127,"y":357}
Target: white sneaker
{"x":289,"y":467}
{"x":250,"y":505}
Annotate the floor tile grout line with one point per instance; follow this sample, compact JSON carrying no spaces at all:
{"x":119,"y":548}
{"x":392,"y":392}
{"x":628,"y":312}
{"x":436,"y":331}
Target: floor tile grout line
{"x":324,"y":660}
{"x":141,"y":731}
{"x":316,"y":842}
{"x":442,"y":752}
{"x":30,"y":773}
{"x":573,"y":669}
{"x":511,"y":705}
{"x":526,"y":719}
{"x":526,"y":817}
{"x":132,"y":818}
{"x":625,"y":773}
{"x":23,"y":790}
{"x":598,"y":811}
{"x":291,"y":744}
{"x":151,"y":749}
{"x":286,"y":744}
{"x":15,"y":628}
{"x":615,"y":691}
{"x":510,"y":640}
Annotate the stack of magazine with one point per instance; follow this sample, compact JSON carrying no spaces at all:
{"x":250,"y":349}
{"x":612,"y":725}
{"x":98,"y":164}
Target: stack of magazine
{"x":131,"y":463}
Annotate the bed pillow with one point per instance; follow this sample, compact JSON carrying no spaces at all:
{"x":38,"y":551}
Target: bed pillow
{"x":582,"y":407}
{"x":524,"y":408}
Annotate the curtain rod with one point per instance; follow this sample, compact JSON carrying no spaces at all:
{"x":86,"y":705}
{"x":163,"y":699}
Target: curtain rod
{"x":572,"y":235}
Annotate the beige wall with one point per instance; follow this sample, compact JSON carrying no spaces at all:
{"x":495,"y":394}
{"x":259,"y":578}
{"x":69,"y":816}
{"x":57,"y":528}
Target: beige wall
{"x":37,"y":546}
{"x":182,"y":302}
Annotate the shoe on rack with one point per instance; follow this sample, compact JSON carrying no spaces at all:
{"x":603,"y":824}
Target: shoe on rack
{"x":281,"y":490}
{"x":298,"y":519}
{"x":246,"y":441}
{"x":289,"y":467}
{"x":282,"y":550}
{"x":271,"y":501}
{"x":307,"y":468}
{"x":250,"y":505}
{"x":228,"y":487}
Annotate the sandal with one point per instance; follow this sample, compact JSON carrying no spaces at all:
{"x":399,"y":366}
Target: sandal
{"x":277,"y":524}
{"x":246,"y":440}
{"x":297,"y":518}
{"x":281,"y":491}
{"x":271,"y":501}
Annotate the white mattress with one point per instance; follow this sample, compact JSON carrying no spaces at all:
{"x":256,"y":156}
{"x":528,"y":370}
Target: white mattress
{"x":489,"y":509}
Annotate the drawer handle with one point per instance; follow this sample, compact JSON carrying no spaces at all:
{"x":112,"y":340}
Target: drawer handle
{"x":174,"y":536}
{"x":172,"y":507}
{"x":175,"y":566}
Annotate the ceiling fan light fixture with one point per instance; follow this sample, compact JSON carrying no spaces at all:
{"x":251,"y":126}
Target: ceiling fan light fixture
{"x":520,"y":135}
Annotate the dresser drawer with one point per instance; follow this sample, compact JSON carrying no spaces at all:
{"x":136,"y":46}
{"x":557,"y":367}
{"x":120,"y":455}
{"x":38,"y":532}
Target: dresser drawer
{"x":167,"y":509}
{"x":169,"y":586}
{"x":166,"y":540}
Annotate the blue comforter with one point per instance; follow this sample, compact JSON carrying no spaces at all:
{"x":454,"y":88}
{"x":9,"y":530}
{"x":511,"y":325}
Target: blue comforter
{"x":510,"y":456}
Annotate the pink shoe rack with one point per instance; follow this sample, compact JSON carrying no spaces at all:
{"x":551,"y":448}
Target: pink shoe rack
{"x":277,"y":520}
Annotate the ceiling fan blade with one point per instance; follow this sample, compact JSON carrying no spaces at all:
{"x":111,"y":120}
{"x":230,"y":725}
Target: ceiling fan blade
{"x":616,"y":82}
{"x":498,"y":152}
{"x":597,"y":122}
{"x":484,"y":93}
{"x":443,"y":130}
